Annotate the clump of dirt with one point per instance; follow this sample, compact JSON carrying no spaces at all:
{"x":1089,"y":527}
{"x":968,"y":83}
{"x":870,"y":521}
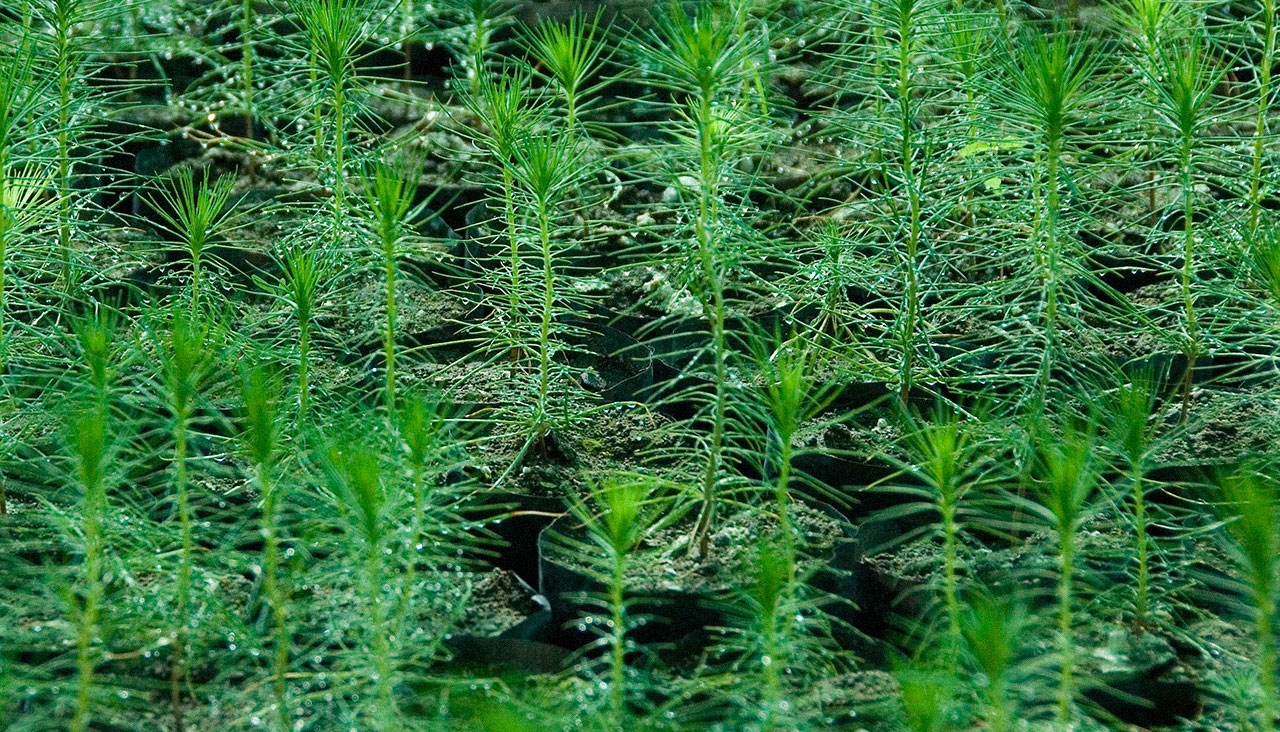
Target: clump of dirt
{"x":667,"y":565}
{"x":1223,"y":426}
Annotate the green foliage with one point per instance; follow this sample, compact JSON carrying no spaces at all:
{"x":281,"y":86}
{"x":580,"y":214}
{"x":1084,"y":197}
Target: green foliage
{"x":1067,"y":482}
{"x":318,"y":317}
{"x":389,"y":194}
{"x":572,"y":54}
{"x":947,"y":462}
{"x":1049,"y":78}
{"x":195,"y":213}
{"x":1251,"y":504}
{"x":992,"y":628}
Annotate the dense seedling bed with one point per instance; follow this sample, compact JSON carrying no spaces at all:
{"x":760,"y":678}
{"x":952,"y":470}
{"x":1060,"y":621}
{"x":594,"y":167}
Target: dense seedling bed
{"x":741,"y":365}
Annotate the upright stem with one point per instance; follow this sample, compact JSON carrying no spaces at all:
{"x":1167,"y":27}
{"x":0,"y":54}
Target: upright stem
{"x":911,"y":304}
{"x":415,"y":537}
{"x":316,"y":98}
{"x":1188,"y":262}
{"x":304,"y":358}
{"x":1142,"y":602}
{"x":195,"y":282}
{"x":772,"y":663}
{"x":1051,"y":257}
{"x":709,"y":170}
{"x":382,"y":663}
{"x":275,"y":592}
{"x":1262,"y":118}
{"x":1066,"y":685}
{"x":785,"y":526}
{"x":389,"y":338}
{"x":548,"y":301}
{"x":94,"y":510}
{"x":617,"y":641}
{"x":177,"y":673}
{"x":339,"y":152}
{"x":950,"y":583}
{"x":246,"y":62}
{"x":513,"y":242}
{"x":1264,"y":628}
{"x":783,"y":498}
{"x":65,"y":63}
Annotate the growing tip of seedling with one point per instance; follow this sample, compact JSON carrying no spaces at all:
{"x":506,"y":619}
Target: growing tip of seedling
{"x":927,"y":695}
{"x":1251,"y":503}
{"x":87,"y":436}
{"x":772,"y":577}
{"x":389,"y":192}
{"x":569,"y":52}
{"x":991,"y":626}
{"x":1069,"y":472}
{"x":546,"y":164}
{"x":618,"y":516}
{"x":1128,"y":413}
{"x":1264,"y":258}
{"x":194,"y":210}
{"x":95,"y":334}
{"x":260,"y":390}
{"x":422,"y":425}
{"x":355,"y":473}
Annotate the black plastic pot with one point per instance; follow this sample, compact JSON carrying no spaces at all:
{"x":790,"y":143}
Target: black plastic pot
{"x":512,"y":542}
{"x":624,"y":365}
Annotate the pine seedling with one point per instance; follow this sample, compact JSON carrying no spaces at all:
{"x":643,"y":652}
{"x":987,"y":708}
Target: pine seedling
{"x":1252,"y":509}
{"x":910,"y":23}
{"x":89,"y":441}
{"x":260,"y":393}
{"x":546,"y":168}
{"x":1185,"y":103}
{"x":425,"y":430}
{"x":947,"y":463}
{"x":770,"y":591}
{"x":305,"y":274}
{"x":1066,"y":485}
{"x":778,"y":642}
{"x":389,"y":194}
{"x":334,"y":30}
{"x":699,"y":59}
{"x":616,"y":520}
{"x":23,"y":205}
{"x":992,"y":629}
{"x":481,"y":21}
{"x":65,"y":53}
{"x":508,"y":111}
{"x":1130,"y":433}
{"x":187,"y":351}
{"x":1048,"y":87}
{"x":830,"y":275}
{"x":1153,"y":24}
{"x":788,"y":397}
{"x":357,"y":479}
{"x":1263,"y":27}
{"x":571,"y":54}
{"x":928,"y":693}
{"x":196,"y":212}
